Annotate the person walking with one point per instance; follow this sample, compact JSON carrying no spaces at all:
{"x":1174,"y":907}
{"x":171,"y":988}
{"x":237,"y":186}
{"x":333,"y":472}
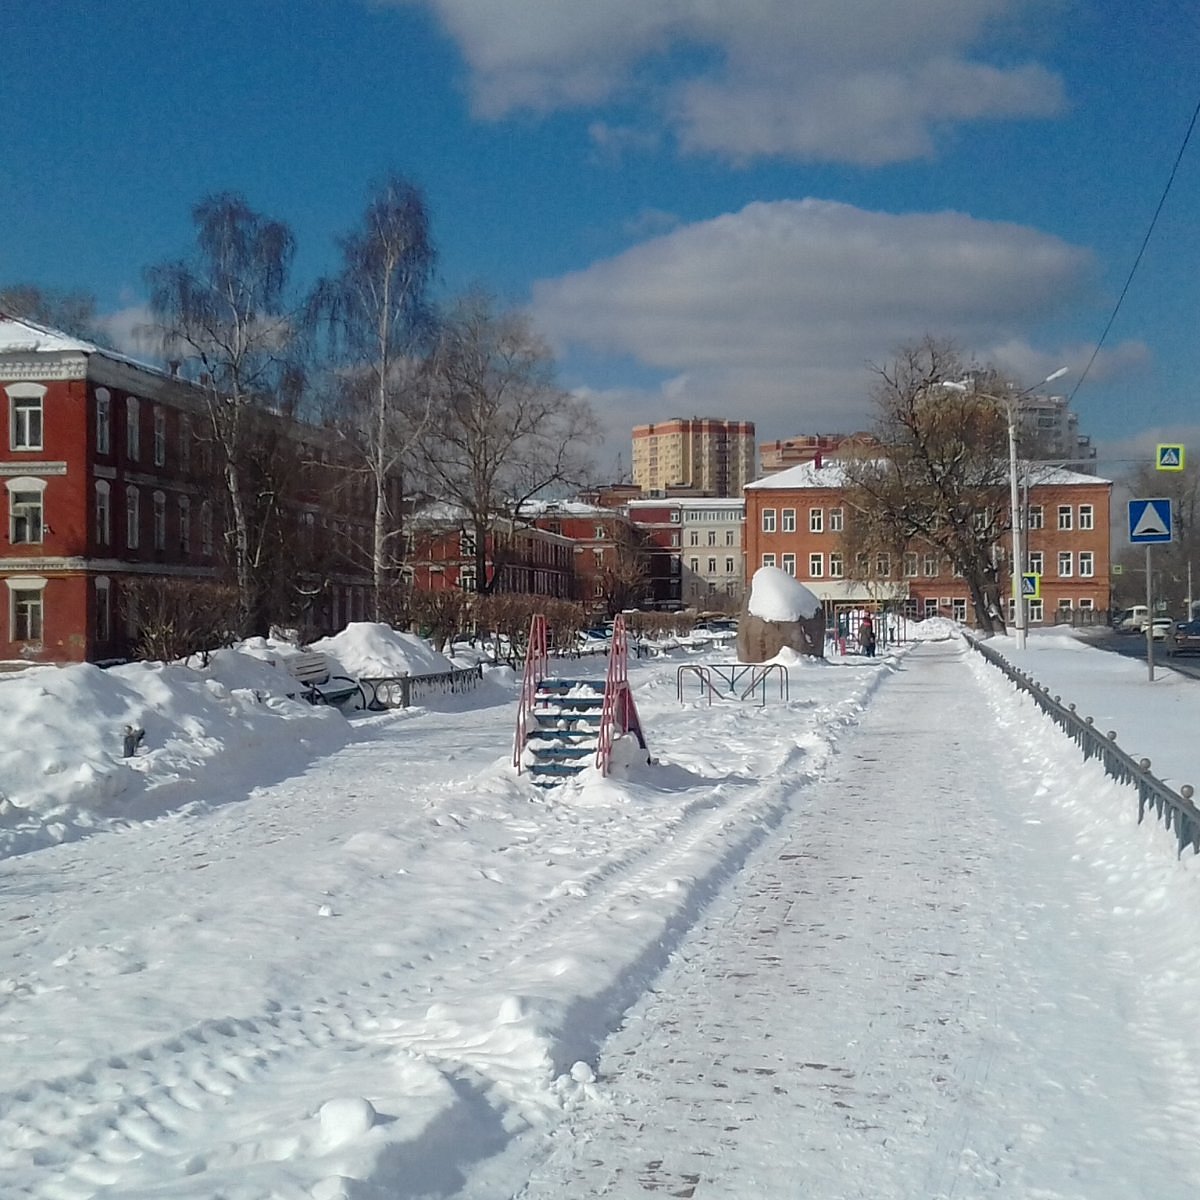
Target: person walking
{"x":866,"y":635}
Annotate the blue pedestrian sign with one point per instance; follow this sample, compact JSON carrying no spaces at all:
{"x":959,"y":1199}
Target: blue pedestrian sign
{"x":1031,"y":585}
{"x":1168,"y":458}
{"x":1149,"y":522}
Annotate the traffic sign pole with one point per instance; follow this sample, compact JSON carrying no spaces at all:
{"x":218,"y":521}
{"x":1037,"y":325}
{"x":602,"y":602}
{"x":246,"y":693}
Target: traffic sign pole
{"x":1149,"y":618}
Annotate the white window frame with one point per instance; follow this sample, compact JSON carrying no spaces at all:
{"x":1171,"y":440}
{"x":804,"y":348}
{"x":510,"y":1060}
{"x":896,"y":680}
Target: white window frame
{"x":837,"y":565}
{"x":911,"y":564}
{"x":133,"y":517}
{"x":816,"y":520}
{"x":883,"y":566}
{"x":28,"y":586}
{"x":133,"y":429}
{"x":1037,"y":563}
{"x":1087,"y":516}
{"x":1065,"y":518}
{"x":768,"y":520}
{"x":26,"y":416}
{"x":1035,"y":517}
{"x":835,"y":520}
{"x":1035,"y":611}
{"x":816,"y":566}
{"x":768,"y":560}
{"x":103,"y":421}
{"x":729,"y":568}
{"x":788,"y":564}
{"x":103,"y":512}
{"x":31,"y":513}
{"x":929,"y":566}
{"x":160,"y":437}
{"x":160,"y":521}
{"x":1087,"y":564}
{"x":1066,"y":564}
{"x":788,"y":520}
{"x":693,"y":537}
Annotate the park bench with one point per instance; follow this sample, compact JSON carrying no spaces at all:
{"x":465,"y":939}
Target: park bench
{"x":319,"y":685}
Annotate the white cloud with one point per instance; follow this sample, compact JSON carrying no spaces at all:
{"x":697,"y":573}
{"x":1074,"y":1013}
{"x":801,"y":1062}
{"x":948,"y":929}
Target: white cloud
{"x":777,"y":311}
{"x":864,"y":81}
{"x":129,"y":330}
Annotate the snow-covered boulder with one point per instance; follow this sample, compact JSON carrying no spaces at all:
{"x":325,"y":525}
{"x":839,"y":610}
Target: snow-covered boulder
{"x":779,"y":612}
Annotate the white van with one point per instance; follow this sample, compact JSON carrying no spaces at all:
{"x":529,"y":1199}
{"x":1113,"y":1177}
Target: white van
{"x":1133,"y":620}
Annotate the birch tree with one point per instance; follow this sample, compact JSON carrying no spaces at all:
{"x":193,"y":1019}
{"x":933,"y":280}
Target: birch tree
{"x":376,"y":319}
{"x":224,"y":314}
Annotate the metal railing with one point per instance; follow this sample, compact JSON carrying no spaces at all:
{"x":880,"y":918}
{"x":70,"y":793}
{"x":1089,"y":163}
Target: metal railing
{"x":401,"y":691}
{"x":1174,"y":809}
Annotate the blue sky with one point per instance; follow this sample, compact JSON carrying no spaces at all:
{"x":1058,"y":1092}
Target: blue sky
{"x":710,"y":208}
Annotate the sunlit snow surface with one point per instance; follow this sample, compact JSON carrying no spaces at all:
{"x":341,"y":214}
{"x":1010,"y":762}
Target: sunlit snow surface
{"x":891,"y":937}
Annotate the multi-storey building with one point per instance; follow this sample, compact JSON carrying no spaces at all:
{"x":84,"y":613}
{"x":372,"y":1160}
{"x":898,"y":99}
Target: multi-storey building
{"x":791,"y":452}
{"x":607,"y":547}
{"x":797,"y":519}
{"x":660,"y":522}
{"x":706,"y":456}
{"x":108,"y":481}
{"x":713,"y":566}
{"x":1052,"y":430}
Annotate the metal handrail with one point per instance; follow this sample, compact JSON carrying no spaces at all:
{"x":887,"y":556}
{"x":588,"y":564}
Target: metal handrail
{"x":619,"y":712}
{"x":537,"y":661}
{"x":1174,"y":809}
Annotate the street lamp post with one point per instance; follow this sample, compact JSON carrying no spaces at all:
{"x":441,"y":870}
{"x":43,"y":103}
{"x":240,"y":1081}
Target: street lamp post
{"x":1011,"y":403}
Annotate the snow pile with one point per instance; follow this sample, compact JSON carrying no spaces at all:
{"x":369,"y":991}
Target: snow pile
{"x":935,"y":629}
{"x":371,"y":650}
{"x":776,"y":596}
{"x":70,"y":775}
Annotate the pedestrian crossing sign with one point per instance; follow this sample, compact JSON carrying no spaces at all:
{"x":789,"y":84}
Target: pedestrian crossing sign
{"x":1031,"y":586}
{"x":1149,"y":521}
{"x":1168,"y":457}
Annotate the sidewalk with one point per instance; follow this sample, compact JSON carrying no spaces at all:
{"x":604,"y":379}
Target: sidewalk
{"x":924,"y":986}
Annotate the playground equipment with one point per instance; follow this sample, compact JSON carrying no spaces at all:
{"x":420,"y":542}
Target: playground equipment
{"x":564,"y":722}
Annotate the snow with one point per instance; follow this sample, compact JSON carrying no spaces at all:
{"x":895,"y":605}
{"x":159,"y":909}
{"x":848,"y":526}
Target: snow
{"x":892,"y":937}
{"x":367,"y":649}
{"x":776,"y":596}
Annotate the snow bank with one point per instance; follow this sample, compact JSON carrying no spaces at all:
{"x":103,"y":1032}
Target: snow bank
{"x":370,"y":650}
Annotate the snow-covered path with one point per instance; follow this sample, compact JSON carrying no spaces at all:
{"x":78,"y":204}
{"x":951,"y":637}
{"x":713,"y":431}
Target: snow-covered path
{"x":921,"y":987}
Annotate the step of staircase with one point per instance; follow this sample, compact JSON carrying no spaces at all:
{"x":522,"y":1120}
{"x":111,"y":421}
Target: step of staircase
{"x":566,"y":717}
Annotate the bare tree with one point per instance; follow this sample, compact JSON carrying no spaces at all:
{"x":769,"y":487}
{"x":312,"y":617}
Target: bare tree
{"x":940,"y":479}
{"x":70,"y":312}
{"x":503,"y":431}
{"x":377,"y":322}
{"x":224,"y":313}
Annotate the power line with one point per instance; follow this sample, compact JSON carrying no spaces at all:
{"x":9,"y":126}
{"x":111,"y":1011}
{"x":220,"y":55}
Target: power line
{"x":1141,"y":251}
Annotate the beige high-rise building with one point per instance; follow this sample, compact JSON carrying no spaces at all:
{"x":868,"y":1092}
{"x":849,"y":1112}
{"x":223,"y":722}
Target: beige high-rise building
{"x":703,"y":455}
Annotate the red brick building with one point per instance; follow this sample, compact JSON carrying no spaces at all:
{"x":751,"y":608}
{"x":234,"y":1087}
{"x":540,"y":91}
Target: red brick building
{"x":796,"y":519}
{"x":108,"y":480}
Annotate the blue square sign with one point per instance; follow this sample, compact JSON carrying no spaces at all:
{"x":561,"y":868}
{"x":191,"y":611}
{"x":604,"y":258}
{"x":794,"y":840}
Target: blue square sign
{"x":1149,"y":522}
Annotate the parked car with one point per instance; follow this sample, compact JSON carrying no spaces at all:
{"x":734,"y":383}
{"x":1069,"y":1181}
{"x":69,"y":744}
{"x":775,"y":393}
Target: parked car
{"x":1160,"y":628}
{"x":1186,"y":638}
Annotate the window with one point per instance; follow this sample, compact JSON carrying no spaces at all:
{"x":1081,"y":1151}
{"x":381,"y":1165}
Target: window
{"x":160,"y":521}
{"x":599,"y":532}
{"x":789,"y":565}
{"x":835,"y":520}
{"x":133,"y":438}
{"x":931,"y":606}
{"x":185,"y":444}
{"x":816,"y":520}
{"x":103,"y":513}
{"x":694,"y":566}
{"x":1064,"y":564}
{"x":675,"y":538}
{"x":1086,"y":604}
{"x":712,"y":537}
{"x":930,"y":565}
{"x":816,"y":566}
{"x":712,"y":566}
{"x":103,"y":421}
{"x":1087,"y":564}
{"x":26,"y":609}
{"x":25,"y":524}
{"x":959,"y":608}
{"x":768,"y":560}
{"x":185,"y":525}
{"x":1087,"y":517}
{"x":883,"y":566}
{"x":1035,"y":611}
{"x":910,"y":564}
{"x":789,"y":520}
{"x":836,"y":567}
{"x":694,"y":537}
{"x":25,"y":415}
{"x":1064,"y":516}
{"x":103,"y":609}
{"x":133,"y":517}
{"x":729,"y":566}
{"x":768,"y":521}
{"x":1036,"y":518}
{"x":1036,"y":562}
{"x":160,"y":437}
{"x":730,"y":537}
